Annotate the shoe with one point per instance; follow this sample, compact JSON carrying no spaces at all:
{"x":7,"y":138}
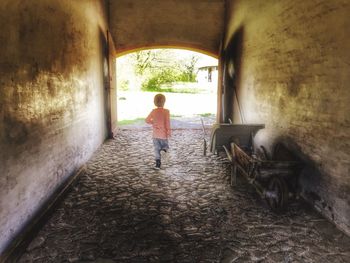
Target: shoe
{"x":157,"y":167}
{"x":164,"y":155}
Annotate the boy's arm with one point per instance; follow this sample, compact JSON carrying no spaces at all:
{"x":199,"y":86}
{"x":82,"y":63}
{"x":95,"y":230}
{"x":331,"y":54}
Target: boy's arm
{"x":167,"y":124}
{"x":149,"y":118}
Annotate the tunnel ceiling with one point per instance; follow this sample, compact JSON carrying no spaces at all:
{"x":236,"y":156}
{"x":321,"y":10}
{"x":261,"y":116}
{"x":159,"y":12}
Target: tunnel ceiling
{"x":194,"y":24}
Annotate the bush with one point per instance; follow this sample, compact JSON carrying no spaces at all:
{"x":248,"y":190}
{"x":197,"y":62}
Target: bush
{"x":187,"y":77}
{"x":165,"y":76}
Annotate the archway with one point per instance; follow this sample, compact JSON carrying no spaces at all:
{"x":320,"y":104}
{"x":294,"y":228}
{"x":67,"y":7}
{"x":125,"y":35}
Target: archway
{"x":187,"y":77}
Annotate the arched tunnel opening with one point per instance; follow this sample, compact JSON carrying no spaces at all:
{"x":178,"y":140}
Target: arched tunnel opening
{"x":77,"y":186}
{"x":187,"y":79}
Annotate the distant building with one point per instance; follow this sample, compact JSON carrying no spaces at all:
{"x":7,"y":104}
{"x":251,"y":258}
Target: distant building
{"x":207,"y":74}
{"x":207,"y":71}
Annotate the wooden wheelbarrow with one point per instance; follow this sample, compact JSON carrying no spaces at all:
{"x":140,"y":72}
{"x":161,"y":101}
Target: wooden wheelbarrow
{"x":274,"y":180}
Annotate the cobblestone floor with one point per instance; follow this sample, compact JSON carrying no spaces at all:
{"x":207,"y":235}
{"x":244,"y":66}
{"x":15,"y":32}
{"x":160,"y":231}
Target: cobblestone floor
{"x":122,"y":210}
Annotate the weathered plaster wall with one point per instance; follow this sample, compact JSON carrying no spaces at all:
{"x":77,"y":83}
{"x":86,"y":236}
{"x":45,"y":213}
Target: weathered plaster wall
{"x":52,"y":100}
{"x":293,"y":74}
{"x":113,"y":83}
{"x":194,"y":24}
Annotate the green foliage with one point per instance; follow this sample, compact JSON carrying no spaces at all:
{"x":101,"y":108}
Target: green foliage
{"x":156,"y":68}
{"x":124,"y":85}
{"x":187,"y":77}
{"x":189,"y":67}
{"x":143,"y":61}
{"x":206,"y":114}
{"x":156,"y":80}
{"x":129,"y":122}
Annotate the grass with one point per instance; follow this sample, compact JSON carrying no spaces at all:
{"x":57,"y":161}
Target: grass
{"x":138,"y":120}
{"x":180,"y":90}
{"x":206,"y":114}
{"x":129,"y":122}
{"x":142,"y":120}
{"x":179,"y":87}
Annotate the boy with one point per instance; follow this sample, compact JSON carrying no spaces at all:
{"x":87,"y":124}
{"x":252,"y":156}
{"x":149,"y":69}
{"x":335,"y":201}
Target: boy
{"x":160,"y":120}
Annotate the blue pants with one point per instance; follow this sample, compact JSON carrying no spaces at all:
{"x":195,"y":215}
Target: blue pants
{"x":159,"y":144}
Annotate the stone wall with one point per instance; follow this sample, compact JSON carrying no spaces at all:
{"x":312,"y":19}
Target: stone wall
{"x":52,"y":100}
{"x":292,"y":73}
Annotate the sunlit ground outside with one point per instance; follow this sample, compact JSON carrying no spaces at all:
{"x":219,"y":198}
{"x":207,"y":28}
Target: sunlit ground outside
{"x":133,"y":105}
{"x":187,"y":79}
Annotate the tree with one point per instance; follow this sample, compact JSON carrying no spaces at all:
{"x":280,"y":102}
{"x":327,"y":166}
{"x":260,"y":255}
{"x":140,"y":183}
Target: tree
{"x":143,"y":60}
{"x":190,"y":66}
{"x":156,"y":67}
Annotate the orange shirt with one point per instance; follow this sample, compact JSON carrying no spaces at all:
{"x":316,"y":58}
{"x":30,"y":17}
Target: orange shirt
{"x":160,"y":120}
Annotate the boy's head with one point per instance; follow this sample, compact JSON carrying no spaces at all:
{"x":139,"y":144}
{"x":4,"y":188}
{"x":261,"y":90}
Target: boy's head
{"x":159,"y":100}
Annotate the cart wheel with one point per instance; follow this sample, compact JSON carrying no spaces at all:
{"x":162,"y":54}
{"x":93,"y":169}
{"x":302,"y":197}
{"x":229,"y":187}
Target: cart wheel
{"x":265,"y":155}
{"x":277,"y":194}
{"x":233,"y":175}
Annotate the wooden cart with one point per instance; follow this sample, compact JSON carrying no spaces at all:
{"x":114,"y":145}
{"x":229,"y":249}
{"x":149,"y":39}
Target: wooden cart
{"x":274,"y":179}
